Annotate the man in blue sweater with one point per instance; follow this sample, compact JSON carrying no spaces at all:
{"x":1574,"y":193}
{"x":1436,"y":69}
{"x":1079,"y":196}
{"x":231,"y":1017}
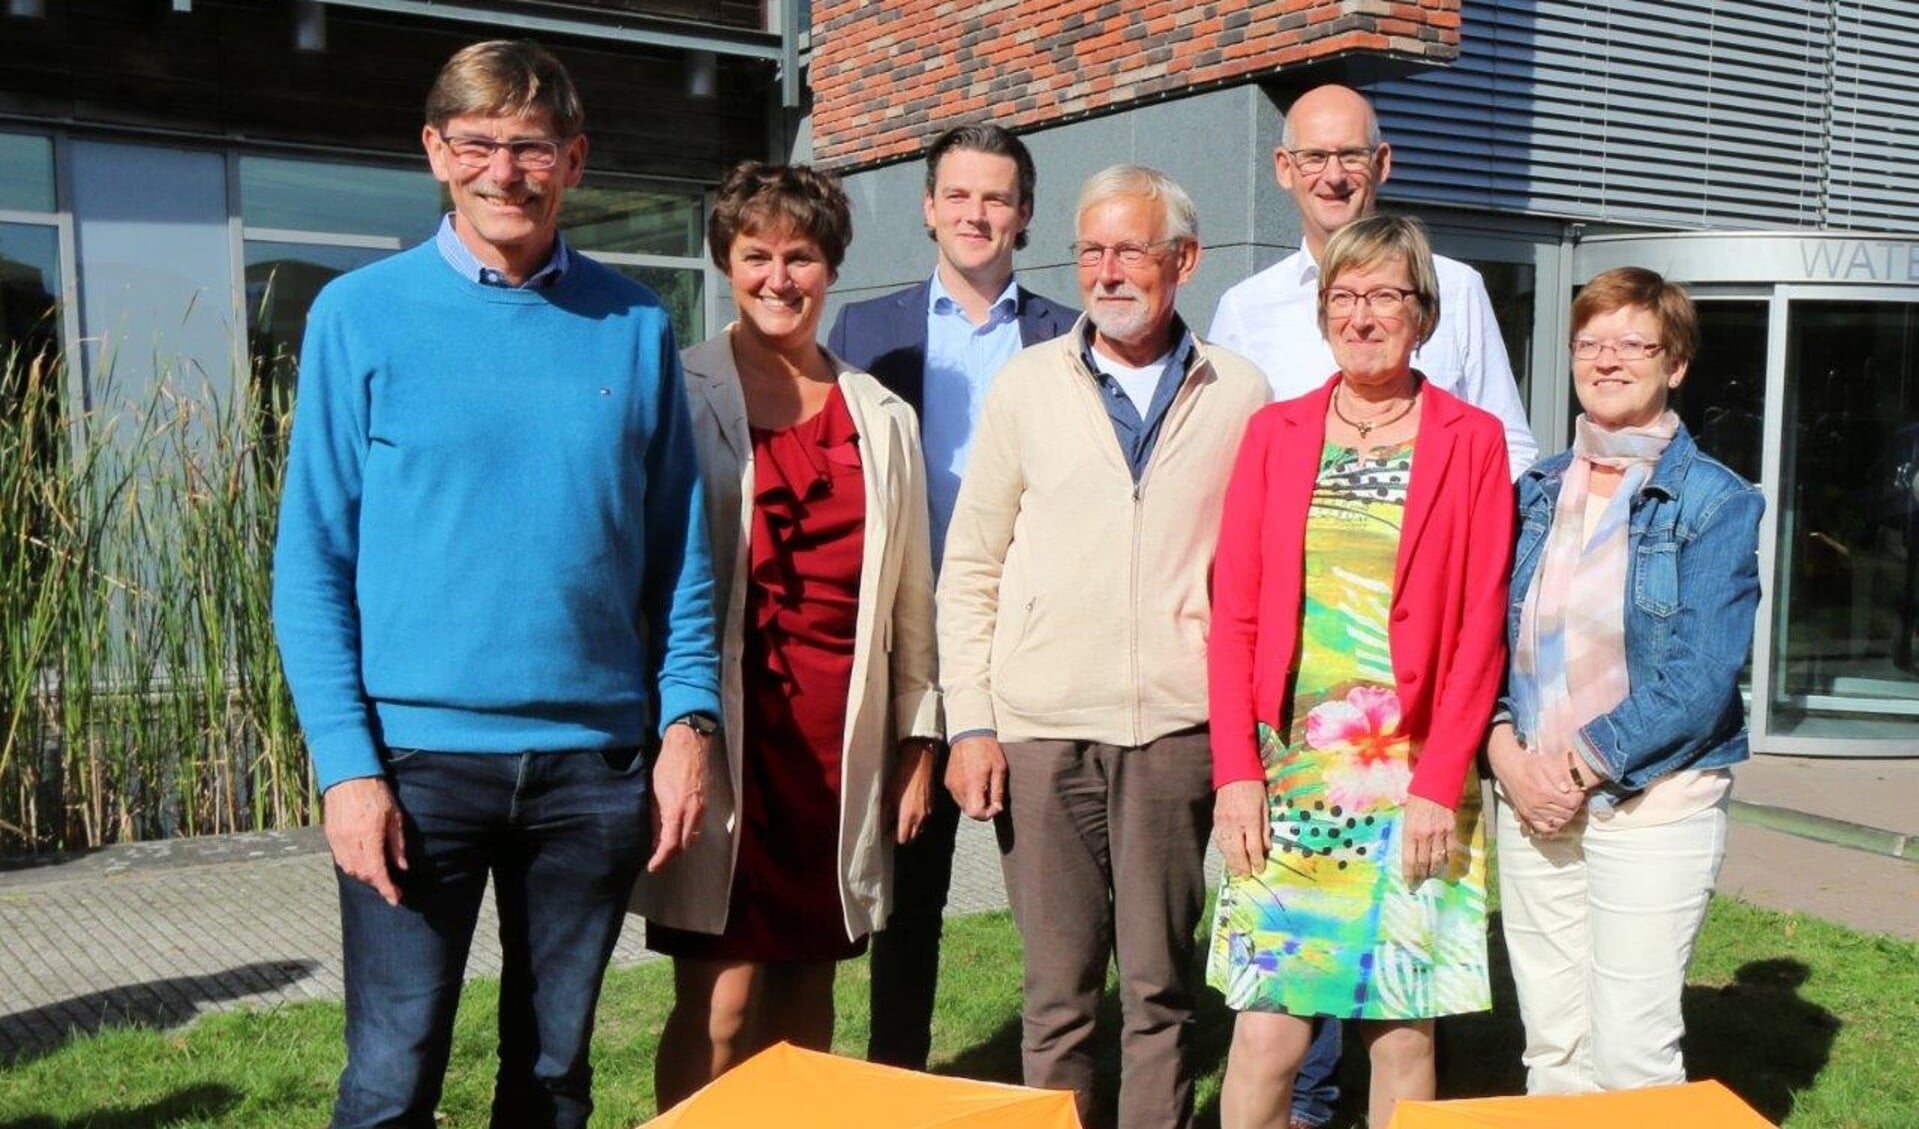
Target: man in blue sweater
{"x":492,"y":590}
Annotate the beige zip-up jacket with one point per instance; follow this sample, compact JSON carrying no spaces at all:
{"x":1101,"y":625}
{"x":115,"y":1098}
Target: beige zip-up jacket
{"x":1073,"y":602}
{"x":893,"y":692}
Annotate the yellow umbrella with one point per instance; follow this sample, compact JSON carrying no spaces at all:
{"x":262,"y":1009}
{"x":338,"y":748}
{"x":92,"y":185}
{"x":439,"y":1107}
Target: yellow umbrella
{"x":1700,"y":1105}
{"x":797,"y":1089}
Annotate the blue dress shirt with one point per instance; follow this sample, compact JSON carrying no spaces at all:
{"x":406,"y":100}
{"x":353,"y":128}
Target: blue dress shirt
{"x":961,"y":359}
{"x":461,"y":259}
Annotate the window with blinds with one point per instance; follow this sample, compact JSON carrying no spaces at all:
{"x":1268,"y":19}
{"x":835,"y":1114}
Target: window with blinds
{"x":1686,"y":113}
{"x":1875,"y":116}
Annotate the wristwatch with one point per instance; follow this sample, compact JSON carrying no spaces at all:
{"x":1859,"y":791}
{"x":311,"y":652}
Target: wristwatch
{"x":704,"y":724}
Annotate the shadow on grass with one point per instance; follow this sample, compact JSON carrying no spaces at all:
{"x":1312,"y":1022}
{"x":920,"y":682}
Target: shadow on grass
{"x":28,"y":1035}
{"x":1756,"y":1035}
{"x":996,"y":1059}
{"x":202,"y":1101}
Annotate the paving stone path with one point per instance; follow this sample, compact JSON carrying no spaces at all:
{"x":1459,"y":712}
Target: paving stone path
{"x":157,"y":934}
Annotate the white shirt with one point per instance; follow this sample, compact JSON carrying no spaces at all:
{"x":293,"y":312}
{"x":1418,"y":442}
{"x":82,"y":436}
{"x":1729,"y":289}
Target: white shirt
{"x":1272,"y":319}
{"x":1139,"y":384}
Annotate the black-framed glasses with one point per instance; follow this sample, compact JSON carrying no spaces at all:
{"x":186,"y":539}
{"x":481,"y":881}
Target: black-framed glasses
{"x":530,"y":153}
{"x":1129,"y":254}
{"x":1383,"y":301}
{"x":1625,"y":348}
{"x":1313,"y":161}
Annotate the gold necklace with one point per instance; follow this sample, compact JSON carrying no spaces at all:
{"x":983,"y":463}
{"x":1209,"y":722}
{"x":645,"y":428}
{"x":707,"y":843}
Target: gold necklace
{"x":1365,"y":427}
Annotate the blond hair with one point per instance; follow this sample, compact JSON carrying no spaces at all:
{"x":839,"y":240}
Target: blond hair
{"x":1380,"y":239}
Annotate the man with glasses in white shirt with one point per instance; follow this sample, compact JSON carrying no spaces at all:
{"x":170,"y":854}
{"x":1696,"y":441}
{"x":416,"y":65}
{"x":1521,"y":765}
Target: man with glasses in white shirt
{"x":1332,"y":161}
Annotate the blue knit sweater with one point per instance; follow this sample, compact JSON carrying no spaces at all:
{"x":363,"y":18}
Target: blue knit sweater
{"x":491,"y":539}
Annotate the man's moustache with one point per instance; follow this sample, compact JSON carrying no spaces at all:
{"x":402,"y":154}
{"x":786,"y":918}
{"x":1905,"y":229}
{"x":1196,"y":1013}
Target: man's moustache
{"x":529,"y":192}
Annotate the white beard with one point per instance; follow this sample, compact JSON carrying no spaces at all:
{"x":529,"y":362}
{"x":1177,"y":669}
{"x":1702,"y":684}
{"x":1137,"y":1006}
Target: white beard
{"x":1127,"y":327}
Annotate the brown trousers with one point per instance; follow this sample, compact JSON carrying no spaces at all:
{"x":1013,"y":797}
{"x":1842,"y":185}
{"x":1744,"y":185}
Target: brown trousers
{"x":1103,"y":850}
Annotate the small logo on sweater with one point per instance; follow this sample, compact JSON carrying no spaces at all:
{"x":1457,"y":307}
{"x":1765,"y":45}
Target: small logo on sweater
{"x":606,"y":391}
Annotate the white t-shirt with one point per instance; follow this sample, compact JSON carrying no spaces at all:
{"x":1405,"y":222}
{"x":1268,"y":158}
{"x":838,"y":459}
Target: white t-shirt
{"x":1139,"y":384}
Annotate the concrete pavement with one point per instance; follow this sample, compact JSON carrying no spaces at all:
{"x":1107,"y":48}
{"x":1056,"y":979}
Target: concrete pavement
{"x":1837,"y":839}
{"x":160,"y":933}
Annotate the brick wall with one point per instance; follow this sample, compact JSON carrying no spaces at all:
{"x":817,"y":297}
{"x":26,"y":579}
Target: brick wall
{"x":886,"y":73}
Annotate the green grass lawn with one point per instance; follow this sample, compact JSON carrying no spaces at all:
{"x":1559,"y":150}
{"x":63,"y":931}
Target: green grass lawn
{"x":1815,"y":1025}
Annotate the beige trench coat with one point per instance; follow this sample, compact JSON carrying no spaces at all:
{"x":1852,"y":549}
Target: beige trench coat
{"x":894,"y":683}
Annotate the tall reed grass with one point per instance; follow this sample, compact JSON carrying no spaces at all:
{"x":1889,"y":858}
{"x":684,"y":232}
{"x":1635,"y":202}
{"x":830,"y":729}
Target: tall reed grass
{"x":141,"y":695}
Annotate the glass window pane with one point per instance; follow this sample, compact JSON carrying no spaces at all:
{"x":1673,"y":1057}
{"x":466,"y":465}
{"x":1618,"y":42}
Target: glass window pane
{"x":282,"y":281}
{"x":633,"y":222}
{"x":349,"y":199}
{"x":31,"y":381}
{"x":1723,"y":398}
{"x":1846,"y":606}
{"x":26,"y":173}
{"x":679,"y":288}
{"x":1510,"y":286}
{"x":29,"y":289}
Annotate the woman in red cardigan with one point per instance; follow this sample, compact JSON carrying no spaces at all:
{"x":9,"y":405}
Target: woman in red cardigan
{"x":1357,"y":647}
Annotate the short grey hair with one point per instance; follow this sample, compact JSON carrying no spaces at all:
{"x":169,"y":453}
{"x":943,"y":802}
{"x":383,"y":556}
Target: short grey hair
{"x":1180,"y":220}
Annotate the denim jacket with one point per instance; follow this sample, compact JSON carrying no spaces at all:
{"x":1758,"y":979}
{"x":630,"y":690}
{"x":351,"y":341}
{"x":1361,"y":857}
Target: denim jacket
{"x":1693,"y":581}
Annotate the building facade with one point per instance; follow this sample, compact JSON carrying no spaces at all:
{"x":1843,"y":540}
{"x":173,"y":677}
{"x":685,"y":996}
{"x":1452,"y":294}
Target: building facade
{"x":178,"y":179}
{"x":1753,"y":151}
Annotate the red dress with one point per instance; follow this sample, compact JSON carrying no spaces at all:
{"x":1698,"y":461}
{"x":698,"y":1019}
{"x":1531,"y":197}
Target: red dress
{"x":802,"y":600}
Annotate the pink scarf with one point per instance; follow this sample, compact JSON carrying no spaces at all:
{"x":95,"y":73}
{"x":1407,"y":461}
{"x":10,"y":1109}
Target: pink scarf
{"x":1570,"y":663}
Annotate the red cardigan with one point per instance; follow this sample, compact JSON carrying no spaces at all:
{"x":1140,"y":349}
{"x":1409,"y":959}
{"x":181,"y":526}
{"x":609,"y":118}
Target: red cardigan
{"x":1448,"y":622}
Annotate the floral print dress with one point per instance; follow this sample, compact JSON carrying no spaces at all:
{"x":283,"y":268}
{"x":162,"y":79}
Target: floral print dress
{"x":1329,"y":927}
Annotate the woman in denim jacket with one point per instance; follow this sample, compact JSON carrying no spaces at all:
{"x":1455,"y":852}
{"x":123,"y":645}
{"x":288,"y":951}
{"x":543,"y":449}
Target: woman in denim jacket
{"x":1634,"y":585}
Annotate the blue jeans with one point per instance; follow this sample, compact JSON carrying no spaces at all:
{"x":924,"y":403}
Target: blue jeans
{"x":1315,"y":1091}
{"x":563,"y":836}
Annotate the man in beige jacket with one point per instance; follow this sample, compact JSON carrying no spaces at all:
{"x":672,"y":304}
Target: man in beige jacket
{"x":1072,"y":628}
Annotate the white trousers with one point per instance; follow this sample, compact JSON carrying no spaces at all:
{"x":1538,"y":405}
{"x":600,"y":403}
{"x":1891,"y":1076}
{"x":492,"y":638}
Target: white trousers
{"x":1600,"y":927}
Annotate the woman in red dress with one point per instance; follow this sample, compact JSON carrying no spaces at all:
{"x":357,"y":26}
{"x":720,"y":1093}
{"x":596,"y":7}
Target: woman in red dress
{"x":817,"y":505}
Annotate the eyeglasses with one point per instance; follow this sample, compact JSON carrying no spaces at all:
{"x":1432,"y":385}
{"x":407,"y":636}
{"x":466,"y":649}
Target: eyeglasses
{"x":1626,"y":349}
{"x":1383,"y":301}
{"x":530,"y":153}
{"x":1313,"y":161}
{"x":1129,"y":254}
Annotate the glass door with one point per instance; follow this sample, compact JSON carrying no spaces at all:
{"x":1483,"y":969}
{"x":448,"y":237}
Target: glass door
{"x":1723,"y":399}
{"x":1844,"y":609}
